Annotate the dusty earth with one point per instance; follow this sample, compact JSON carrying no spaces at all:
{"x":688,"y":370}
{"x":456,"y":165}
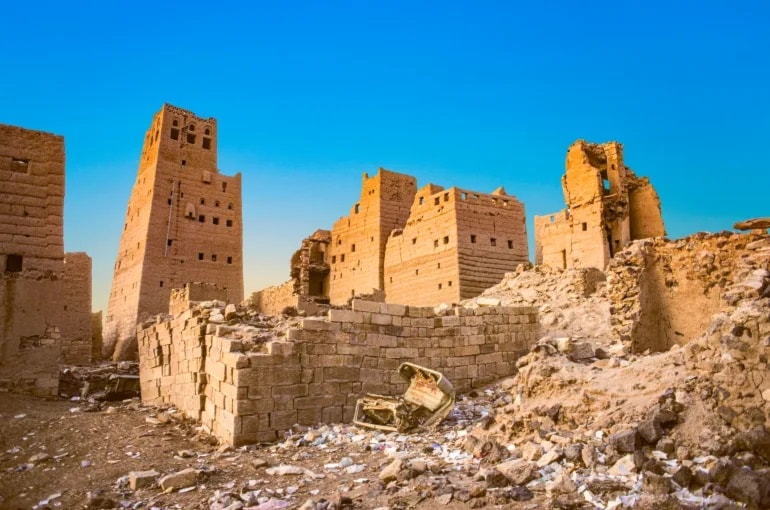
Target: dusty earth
{"x":90,"y":449}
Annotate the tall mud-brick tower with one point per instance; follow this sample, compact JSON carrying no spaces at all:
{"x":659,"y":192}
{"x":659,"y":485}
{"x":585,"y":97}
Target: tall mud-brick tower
{"x":183,"y":224}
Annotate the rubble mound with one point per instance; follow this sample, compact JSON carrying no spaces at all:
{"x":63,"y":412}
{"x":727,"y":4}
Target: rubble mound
{"x":681,"y":425}
{"x":568,"y":301}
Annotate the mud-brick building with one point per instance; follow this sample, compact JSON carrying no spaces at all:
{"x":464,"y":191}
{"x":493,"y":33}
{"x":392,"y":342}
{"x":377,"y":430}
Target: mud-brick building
{"x":183,"y":224}
{"x":424,"y":247}
{"x":455,"y":244}
{"x":608,"y":206}
{"x":45,"y":316}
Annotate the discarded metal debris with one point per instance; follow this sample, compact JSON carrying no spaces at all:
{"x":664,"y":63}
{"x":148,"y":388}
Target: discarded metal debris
{"x":429,"y":398}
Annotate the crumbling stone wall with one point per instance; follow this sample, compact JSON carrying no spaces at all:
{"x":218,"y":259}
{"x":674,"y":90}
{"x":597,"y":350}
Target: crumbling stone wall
{"x":357,"y":249}
{"x":245,"y":392}
{"x":194,"y":292}
{"x":183,"y":224}
{"x":607,"y":207}
{"x":96,"y":335}
{"x":456,"y":244}
{"x":37,"y":314}
{"x":665,"y":293}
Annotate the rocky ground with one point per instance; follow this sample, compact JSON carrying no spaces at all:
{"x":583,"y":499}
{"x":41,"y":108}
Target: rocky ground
{"x":587,"y":422}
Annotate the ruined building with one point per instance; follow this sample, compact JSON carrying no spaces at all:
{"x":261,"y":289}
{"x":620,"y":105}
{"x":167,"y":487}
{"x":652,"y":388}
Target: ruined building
{"x":309,"y":284}
{"x":183,"y":224}
{"x":46,"y":294}
{"x":424,"y":247}
{"x":607,"y":207}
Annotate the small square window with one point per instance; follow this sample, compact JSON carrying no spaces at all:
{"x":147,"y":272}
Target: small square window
{"x":584,"y":226}
{"x":161,"y":283}
{"x":169,"y":241}
{"x":416,"y":271}
{"x":342,"y":258}
{"x":436,"y":201}
{"x":353,"y":248}
{"x":493,"y":241}
{"x":215,"y":220}
{"x":422,"y":200}
{"x":334,"y":259}
{"x":190,"y":138}
{"x":510,"y":244}
{"x":449,"y":284}
{"x":200,"y":256}
{"x":473,"y":238}
{"x":14,"y":263}
{"x":203,"y":201}
{"x":224,"y":186}
{"x":439,"y":286}
{"x":206,"y":143}
{"x":213,"y":257}
{"x":357,"y":208}
{"x":202,"y":218}
{"x":446,"y":239}
{"x":414,"y":240}
{"x":229,"y":223}
{"x":464,"y":195}
{"x":446,"y":197}
{"x":435,"y":243}
{"x":174,"y":133}
{"x":229,"y":260}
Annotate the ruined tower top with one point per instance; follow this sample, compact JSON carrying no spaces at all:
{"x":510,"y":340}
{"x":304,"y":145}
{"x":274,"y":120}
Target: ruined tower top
{"x":180,"y":137}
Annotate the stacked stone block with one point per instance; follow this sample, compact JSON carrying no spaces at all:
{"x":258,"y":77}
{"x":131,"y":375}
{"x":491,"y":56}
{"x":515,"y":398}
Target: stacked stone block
{"x":318,"y":373}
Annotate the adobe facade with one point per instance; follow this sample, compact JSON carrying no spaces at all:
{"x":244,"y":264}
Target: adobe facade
{"x":424,"y":247}
{"x":183,"y":224}
{"x":46,"y":294}
{"x":608,"y":206}
{"x":456,"y":244}
{"x":357,"y":250}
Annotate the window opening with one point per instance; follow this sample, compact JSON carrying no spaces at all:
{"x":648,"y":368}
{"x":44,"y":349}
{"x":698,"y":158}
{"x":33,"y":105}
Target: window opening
{"x":353,"y":248}
{"x":200,"y":255}
{"x":229,"y":223}
{"x":14,"y":263}
{"x":229,"y":260}
{"x":584,"y":226}
{"x":436,"y":201}
{"x":19,"y":165}
{"x":510,"y":244}
{"x":175,"y":133}
{"x":213,"y":257}
{"x":473,"y":238}
{"x":202,"y":218}
{"x":224,"y":186}
{"x":190,"y":138}
{"x":215,"y":220}
{"x":414,"y":240}
{"x":446,"y":239}
{"x":493,"y":241}
{"x":206,"y":143}
{"x":435,"y":243}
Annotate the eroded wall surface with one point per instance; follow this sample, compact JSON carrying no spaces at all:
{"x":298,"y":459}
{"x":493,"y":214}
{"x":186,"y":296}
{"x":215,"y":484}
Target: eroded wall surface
{"x":183,"y":224}
{"x":357,"y":249}
{"x":77,"y":334}
{"x":607,"y":207}
{"x":31,"y":259}
{"x":455,"y":244}
{"x":247,"y":393}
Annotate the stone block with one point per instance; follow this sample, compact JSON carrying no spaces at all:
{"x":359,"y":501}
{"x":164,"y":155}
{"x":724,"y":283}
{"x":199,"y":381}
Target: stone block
{"x":142,"y":479}
{"x":359,"y":305}
{"x":283,"y":420}
{"x":341,"y":374}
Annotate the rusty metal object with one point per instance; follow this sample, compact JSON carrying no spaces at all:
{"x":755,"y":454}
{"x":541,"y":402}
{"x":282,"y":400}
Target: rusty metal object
{"x":428,"y":399}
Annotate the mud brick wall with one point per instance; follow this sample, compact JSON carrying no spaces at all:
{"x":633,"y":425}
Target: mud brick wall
{"x":322,"y":368}
{"x":77,"y":335}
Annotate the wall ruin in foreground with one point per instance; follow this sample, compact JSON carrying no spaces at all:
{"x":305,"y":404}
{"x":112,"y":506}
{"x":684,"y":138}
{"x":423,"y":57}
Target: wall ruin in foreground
{"x":246,"y":393}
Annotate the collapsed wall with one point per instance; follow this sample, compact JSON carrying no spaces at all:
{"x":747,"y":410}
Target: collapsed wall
{"x":664,"y":293}
{"x":244,"y":390}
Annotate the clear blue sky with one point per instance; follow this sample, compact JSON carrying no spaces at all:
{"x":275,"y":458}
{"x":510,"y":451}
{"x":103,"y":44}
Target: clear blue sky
{"x":309,"y":95}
